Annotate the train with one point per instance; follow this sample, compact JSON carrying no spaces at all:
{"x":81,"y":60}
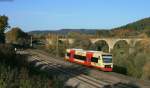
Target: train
{"x":96,"y":59}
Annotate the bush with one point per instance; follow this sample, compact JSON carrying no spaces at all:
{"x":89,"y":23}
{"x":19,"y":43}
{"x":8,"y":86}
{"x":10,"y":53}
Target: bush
{"x":120,"y":54}
{"x":81,"y":43}
{"x":139,"y":59}
{"x":146,"y":71}
{"x":16,"y":73}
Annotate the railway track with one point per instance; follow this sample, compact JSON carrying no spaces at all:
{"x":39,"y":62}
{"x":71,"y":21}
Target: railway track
{"x":76,"y":80}
{"x":111,"y":77}
{"x":82,"y":79}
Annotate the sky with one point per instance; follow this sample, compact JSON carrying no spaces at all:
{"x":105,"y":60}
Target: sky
{"x":76,"y":14}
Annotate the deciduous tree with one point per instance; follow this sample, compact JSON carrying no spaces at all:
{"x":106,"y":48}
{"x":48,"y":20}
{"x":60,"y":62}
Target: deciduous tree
{"x":3,"y":27}
{"x":16,"y":36}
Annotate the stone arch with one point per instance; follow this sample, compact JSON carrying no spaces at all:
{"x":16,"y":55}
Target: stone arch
{"x":61,"y":41}
{"x":127,"y":42}
{"x":83,"y":43}
{"x":121,"y":44}
{"x":101,"y":45}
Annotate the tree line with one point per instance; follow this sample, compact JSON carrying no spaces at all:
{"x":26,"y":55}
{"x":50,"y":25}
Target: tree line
{"x":14,"y":35}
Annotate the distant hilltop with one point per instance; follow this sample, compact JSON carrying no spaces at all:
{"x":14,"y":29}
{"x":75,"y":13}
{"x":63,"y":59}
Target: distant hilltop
{"x":142,"y":24}
{"x":137,"y":28}
{"x":64,"y":31}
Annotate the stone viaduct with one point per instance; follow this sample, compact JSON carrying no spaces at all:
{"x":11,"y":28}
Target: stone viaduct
{"x":110,"y":41}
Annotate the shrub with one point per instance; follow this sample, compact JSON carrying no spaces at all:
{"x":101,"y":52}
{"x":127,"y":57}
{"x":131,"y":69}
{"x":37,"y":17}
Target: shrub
{"x":139,"y":59}
{"x":16,"y":73}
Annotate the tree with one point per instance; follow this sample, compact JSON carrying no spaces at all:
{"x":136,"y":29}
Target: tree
{"x":103,"y":33}
{"x":3,"y":27}
{"x":16,"y":36}
{"x":100,"y":46}
{"x":120,"y":54}
{"x":81,"y":41}
{"x":74,"y":34}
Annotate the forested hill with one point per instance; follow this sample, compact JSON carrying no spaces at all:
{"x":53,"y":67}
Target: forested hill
{"x":64,"y":31}
{"x":142,"y":24}
{"x":138,"y":28}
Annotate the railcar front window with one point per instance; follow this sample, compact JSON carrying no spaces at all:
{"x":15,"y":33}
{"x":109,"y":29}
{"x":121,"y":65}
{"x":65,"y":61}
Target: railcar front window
{"x":107,"y":58}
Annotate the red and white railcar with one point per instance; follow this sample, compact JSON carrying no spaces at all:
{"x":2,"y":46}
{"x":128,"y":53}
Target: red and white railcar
{"x":96,"y":59}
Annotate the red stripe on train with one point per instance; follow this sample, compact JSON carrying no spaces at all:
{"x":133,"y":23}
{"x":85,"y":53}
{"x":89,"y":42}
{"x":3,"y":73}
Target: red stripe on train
{"x":71,"y":58}
{"x":89,"y":56}
{"x":98,"y":67}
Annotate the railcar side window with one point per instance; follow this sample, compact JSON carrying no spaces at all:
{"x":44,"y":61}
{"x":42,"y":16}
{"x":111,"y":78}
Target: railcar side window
{"x":80,"y":57}
{"x":99,"y":58}
{"x":107,"y":58}
{"x":94,"y":59}
{"x":68,"y":54}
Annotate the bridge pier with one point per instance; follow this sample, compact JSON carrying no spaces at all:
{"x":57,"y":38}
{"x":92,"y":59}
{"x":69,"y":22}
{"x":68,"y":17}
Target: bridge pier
{"x":131,"y":50}
{"x":110,"y":49}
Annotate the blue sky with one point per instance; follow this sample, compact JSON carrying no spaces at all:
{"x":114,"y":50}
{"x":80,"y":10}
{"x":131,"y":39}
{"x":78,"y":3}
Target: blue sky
{"x":58,"y":14}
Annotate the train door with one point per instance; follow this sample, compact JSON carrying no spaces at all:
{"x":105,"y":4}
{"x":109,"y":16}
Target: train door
{"x":72,"y":52}
{"x":88,"y":58}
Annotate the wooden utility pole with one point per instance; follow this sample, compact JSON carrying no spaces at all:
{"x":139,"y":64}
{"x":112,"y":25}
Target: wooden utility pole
{"x":66,"y":41}
{"x":57,"y":51}
{"x":31,"y":42}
